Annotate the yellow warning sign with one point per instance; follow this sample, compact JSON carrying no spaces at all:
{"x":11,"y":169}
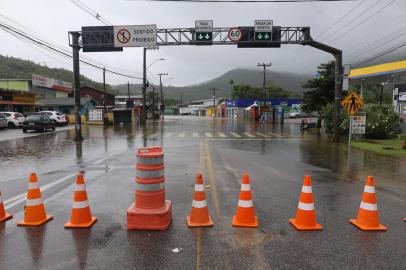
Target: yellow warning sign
{"x":352,"y":103}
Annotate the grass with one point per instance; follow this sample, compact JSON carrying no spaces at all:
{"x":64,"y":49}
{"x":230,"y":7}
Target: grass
{"x":392,"y":147}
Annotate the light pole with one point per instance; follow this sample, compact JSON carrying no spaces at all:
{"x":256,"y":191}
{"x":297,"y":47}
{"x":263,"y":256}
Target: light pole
{"x":162,"y":100}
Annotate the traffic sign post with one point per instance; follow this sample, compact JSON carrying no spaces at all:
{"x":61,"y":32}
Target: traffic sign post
{"x":204,"y":32}
{"x":263,"y":30}
{"x":135,"y":35}
{"x":352,"y":103}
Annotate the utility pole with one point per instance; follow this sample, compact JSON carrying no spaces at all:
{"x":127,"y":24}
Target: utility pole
{"x":128,"y":91}
{"x":76,"y":85}
{"x":181,"y":99}
{"x":214,"y":101}
{"x":144,"y":88}
{"x":264,"y":83}
{"x":162,"y":99}
{"x":104,"y":96}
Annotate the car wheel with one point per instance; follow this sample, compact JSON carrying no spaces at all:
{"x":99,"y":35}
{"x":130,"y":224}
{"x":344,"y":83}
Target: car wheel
{"x":11,"y":125}
{"x":24,"y":130}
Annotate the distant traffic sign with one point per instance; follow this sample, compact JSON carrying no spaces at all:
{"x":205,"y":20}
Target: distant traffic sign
{"x":352,"y":103}
{"x":263,"y":30}
{"x":135,"y":35}
{"x":235,"y":34}
{"x":204,"y":31}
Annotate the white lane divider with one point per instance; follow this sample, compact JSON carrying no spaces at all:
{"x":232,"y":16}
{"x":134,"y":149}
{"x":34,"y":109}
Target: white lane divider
{"x":208,"y":135}
{"x":249,"y":135}
{"x":235,"y":135}
{"x":195,"y":135}
{"x":262,"y":134}
{"x":222,"y":135}
{"x":276,"y":135}
{"x":21,"y":198}
{"x":182,"y":135}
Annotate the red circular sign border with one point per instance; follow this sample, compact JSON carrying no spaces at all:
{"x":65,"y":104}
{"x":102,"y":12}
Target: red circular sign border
{"x":229,"y":31}
{"x":125,"y":30}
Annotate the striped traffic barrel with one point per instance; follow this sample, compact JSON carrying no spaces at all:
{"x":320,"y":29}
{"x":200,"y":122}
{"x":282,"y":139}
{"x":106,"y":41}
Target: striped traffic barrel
{"x":150,"y":179}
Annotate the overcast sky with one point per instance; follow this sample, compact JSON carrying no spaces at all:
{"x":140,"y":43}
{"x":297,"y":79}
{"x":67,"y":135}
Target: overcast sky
{"x":193,"y":64}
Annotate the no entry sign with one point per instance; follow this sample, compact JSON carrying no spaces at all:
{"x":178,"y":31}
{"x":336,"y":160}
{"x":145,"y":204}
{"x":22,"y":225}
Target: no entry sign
{"x":135,"y":35}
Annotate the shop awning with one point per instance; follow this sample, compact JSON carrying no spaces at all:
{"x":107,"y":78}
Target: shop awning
{"x":378,"y":70}
{"x":12,"y":102}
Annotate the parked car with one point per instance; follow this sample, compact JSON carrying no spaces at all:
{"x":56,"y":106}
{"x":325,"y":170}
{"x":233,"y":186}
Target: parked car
{"x":298,"y":114}
{"x":14,"y":119}
{"x":57,"y":117}
{"x":3,"y":121}
{"x":39,"y":122}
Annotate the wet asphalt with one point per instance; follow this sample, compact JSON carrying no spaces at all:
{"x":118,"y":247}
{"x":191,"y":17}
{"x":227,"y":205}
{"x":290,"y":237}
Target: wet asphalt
{"x":276,"y":158}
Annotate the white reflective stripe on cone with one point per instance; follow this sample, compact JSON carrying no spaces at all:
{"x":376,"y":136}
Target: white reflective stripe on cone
{"x":369,"y":189}
{"x":150,"y":174}
{"x":246,"y":204}
{"x":149,"y":187}
{"x":245,"y":187}
{"x":199,"y":204}
{"x":151,"y":161}
{"x":81,"y":187}
{"x":307,"y":189}
{"x":199,"y":187}
{"x":79,"y":205}
{"x":306,"y":206}
{"x":368,"y":206}
{"x":33,"y":202}
{"x":33,"y":185}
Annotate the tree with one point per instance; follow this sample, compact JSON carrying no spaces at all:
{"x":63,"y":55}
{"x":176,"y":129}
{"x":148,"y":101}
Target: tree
{"x":321,"y":89}
{"x":242,"y":91}
{"x":274,"y":91}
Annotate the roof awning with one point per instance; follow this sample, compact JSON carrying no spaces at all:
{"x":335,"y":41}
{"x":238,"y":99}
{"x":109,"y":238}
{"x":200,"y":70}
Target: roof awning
{"x":382,"y":72}
{"x":12,"y":102}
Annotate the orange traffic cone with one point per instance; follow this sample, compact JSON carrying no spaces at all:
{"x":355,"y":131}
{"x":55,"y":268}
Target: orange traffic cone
{"x":305,"y":214}
{"x":34,"y":210}
{"x":245,"y":215}
{"x":3,"y":215}
{"x":199,"y":216}
{"x":80,"y":216}
{"x":368,"y":218}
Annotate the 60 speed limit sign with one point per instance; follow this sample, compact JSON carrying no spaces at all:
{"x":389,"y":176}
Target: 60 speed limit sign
{"x":235,"y":34}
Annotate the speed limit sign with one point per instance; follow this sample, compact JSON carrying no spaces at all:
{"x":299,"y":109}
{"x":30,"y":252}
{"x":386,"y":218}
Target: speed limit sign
{"x":235,"y":34}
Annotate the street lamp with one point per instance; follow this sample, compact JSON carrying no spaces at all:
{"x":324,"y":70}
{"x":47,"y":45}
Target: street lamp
{"x":159,"y":59}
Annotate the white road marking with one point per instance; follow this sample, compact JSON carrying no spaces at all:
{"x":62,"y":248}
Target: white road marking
{"x":247,"y":139}
{"x":208,"y":134}
{"x":195,"y":135}
{"x":249,"y":135}
{"x":262,"y":134}
{"x":276,"y":135}
{"x":222,"y":135}
{"x":235,"y":135}
{"x":168,"y":134}
{"x":21,"y":198}
{"x":182,"y":135}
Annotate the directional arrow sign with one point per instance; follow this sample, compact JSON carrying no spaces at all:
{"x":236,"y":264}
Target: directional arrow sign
{"x":204,"y":32}
{"x":263,"y":30}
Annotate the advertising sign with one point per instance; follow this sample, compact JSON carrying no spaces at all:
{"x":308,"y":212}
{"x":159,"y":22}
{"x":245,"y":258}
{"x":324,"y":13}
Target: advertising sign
{"x":41,"y":81}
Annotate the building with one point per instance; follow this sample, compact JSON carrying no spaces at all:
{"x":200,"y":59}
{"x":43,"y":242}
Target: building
{"x":18,"y":101}
{"x":98,"y":95}
{"x":67,"y":105}
{"x":121,"y":101}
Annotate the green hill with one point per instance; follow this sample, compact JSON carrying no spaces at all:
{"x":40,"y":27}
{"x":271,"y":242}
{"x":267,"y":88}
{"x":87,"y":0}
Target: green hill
{"x":16,"y":68}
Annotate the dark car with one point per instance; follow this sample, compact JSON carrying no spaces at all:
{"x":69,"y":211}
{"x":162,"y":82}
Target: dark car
{"x":38,"y":122}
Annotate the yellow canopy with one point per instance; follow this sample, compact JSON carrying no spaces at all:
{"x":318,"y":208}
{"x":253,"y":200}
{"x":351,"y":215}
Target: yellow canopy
{"x":382,"y":69}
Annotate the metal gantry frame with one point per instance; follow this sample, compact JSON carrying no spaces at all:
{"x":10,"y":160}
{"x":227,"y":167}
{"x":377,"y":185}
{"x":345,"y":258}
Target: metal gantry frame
{"x":186,"y":36}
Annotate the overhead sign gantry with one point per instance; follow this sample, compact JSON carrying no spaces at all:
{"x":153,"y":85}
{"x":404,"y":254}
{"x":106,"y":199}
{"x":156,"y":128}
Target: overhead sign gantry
{"x":262,"y":34}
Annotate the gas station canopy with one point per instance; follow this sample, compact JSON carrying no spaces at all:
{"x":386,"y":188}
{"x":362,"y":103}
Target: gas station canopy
{"x":388,"y":72}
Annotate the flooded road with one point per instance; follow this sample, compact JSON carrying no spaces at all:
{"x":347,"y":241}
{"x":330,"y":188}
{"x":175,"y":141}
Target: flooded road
{"x":276,"y":157}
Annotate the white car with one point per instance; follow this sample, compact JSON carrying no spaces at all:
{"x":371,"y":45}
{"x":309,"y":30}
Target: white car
{"x":14,"y":119}
{"x":56,"y":117}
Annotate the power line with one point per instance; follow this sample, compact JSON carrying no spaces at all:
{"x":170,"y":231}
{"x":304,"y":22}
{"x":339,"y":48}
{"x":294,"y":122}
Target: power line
{"x":91,"y":12}
{"x":37,"y":42}
{"x":247,"y":1}
{"x":398,"y":46}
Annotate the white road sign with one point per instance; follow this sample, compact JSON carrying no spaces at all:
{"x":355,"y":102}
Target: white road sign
{"x":234,"y":34}
{"x":359,"y":123}
{"x":263,"y":25}
{"x":135,"y":35}
{"x":204,"y":26}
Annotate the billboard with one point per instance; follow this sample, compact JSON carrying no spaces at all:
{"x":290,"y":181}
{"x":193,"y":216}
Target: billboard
{"x":41,"y":81}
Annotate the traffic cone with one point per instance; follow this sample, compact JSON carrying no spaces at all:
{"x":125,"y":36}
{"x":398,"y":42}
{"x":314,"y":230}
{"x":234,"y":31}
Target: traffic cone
{"x":3,"y":215}
{"x":34,"y":210}
{"x":305,"y":214}
{"x":245,"y":215}
{"x":368,"y":218}
{"x":80,"y":216}
{"x":199,"y":216}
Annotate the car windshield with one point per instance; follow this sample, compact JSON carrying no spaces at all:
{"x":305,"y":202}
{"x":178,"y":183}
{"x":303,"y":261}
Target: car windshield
{"x":19,"y":115}
{"x":58,"y":113}
{"x":34,"y":118}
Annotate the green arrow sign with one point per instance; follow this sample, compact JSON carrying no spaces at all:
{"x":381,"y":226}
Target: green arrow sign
{"x":263,"y":36}
{"x":204,"y":36}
